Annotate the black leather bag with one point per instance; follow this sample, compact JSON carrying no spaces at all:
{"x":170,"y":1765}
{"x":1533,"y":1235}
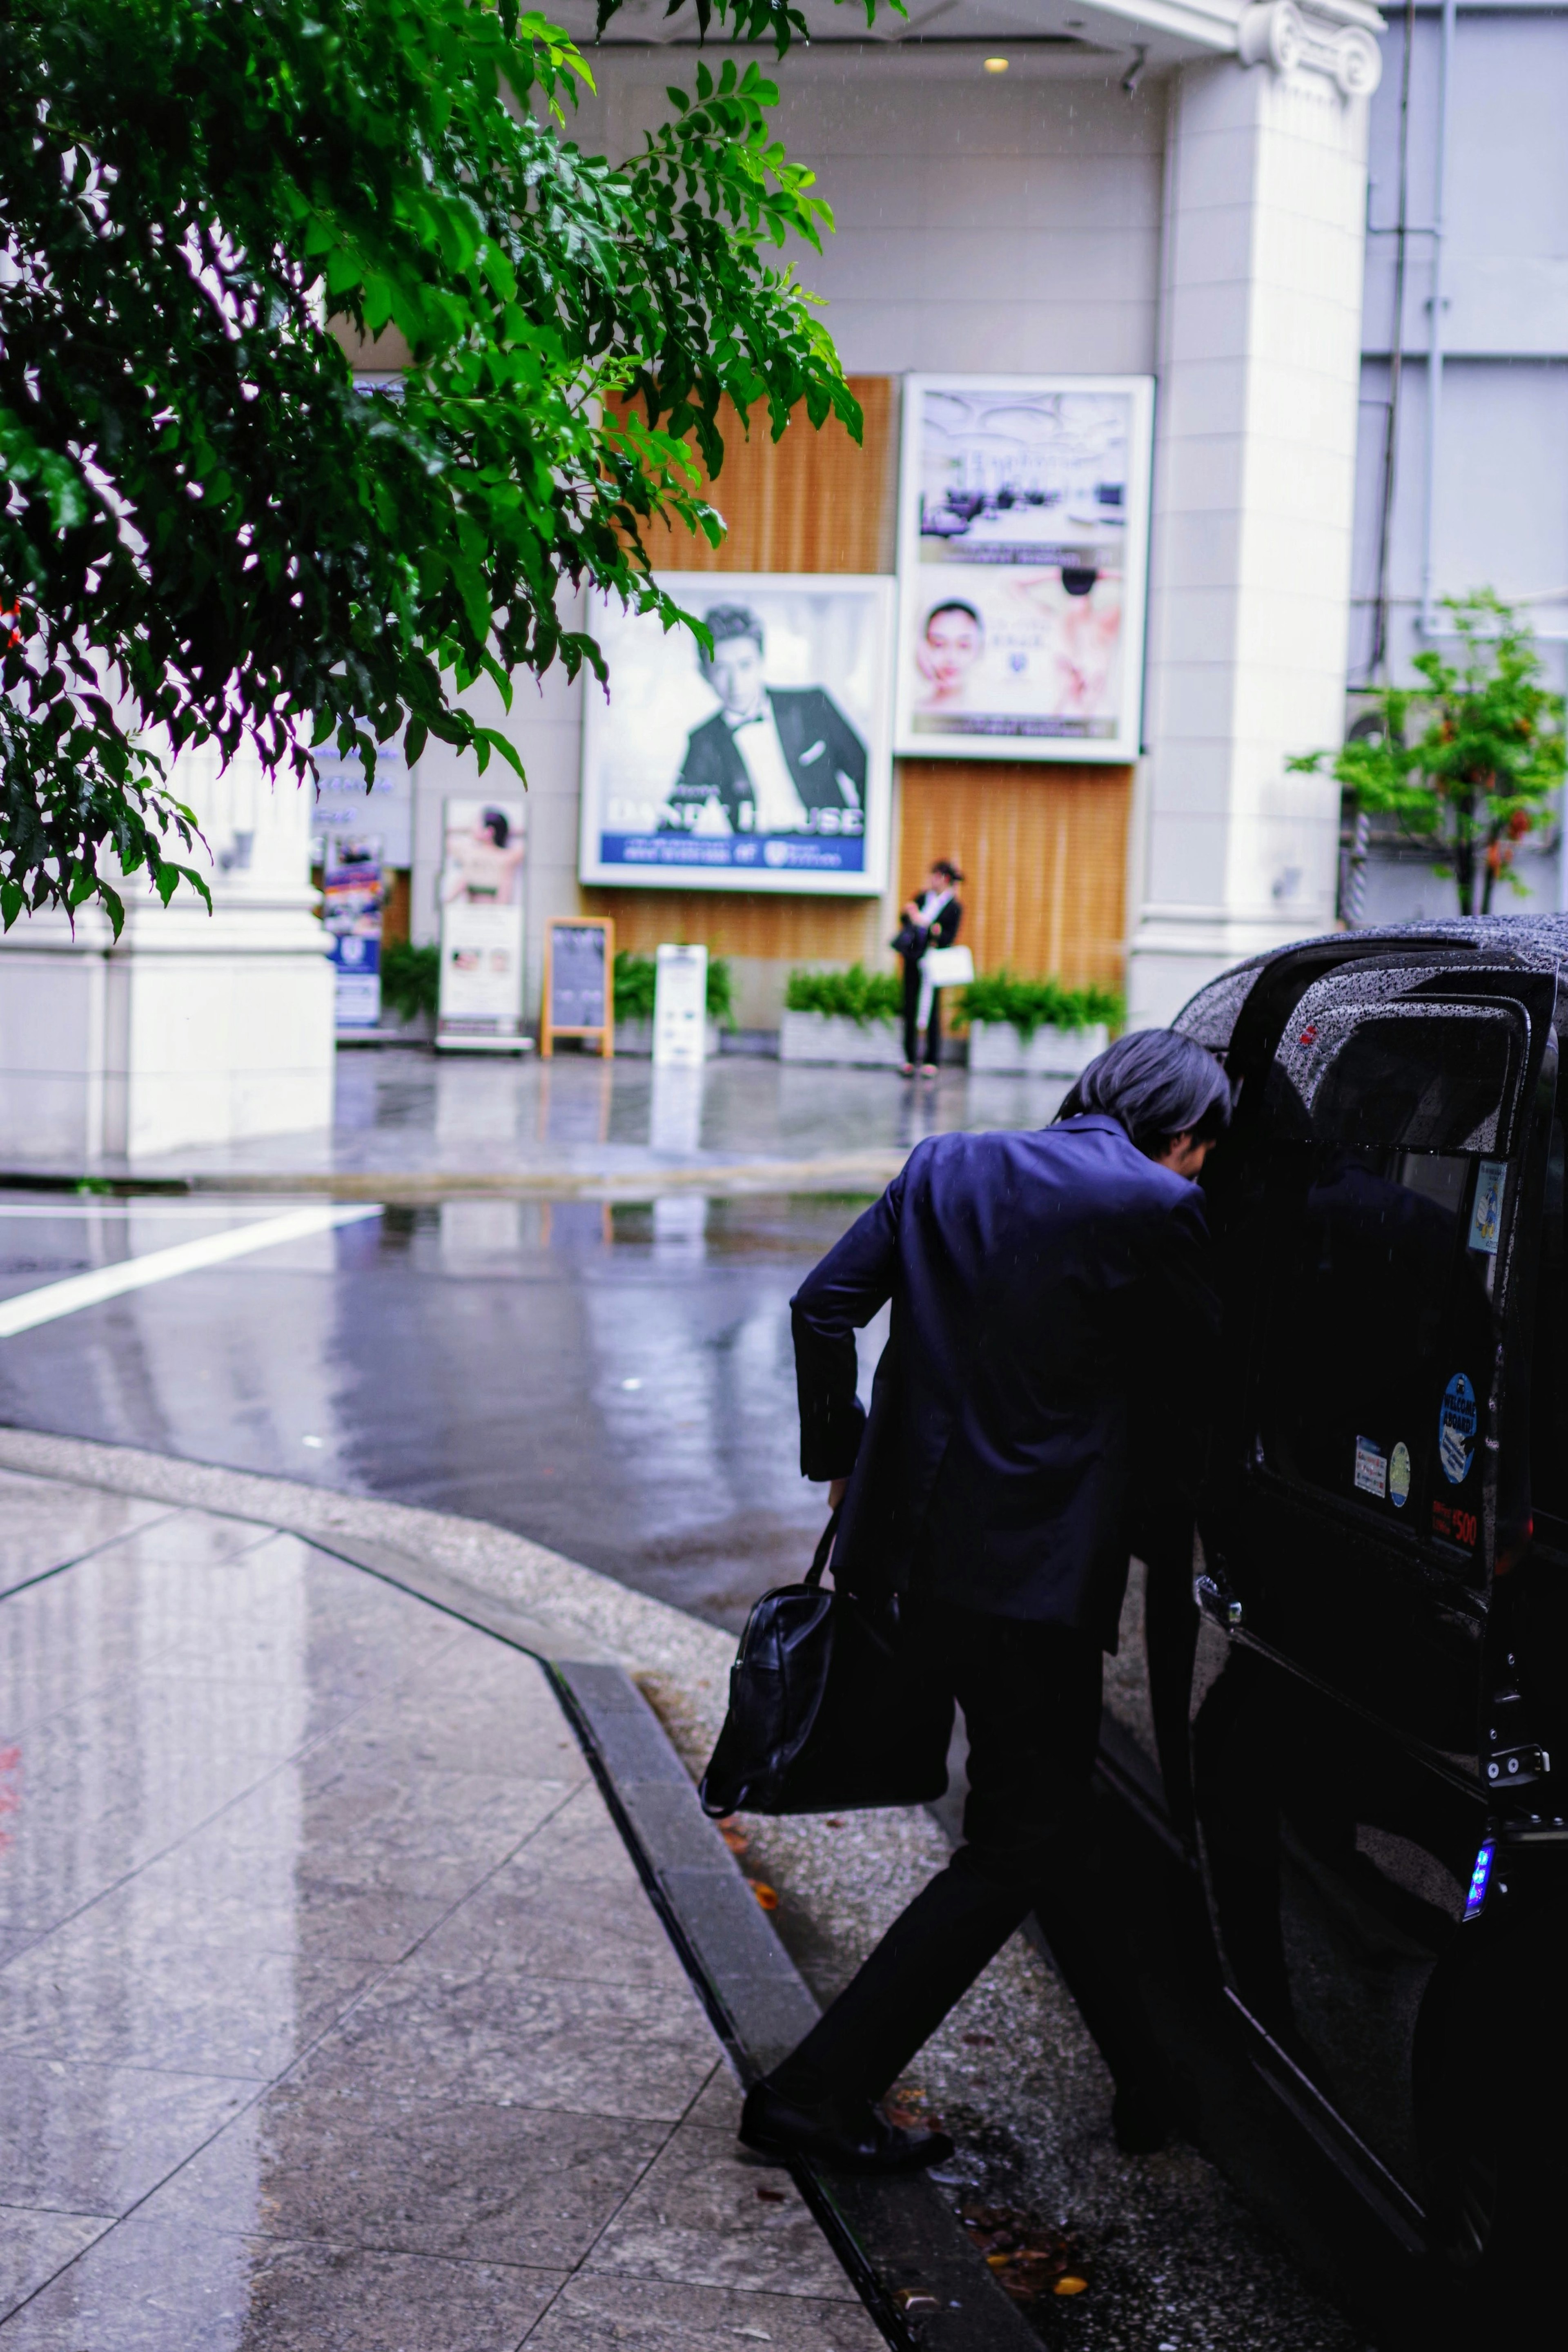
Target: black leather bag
{"x":828,"y":1713}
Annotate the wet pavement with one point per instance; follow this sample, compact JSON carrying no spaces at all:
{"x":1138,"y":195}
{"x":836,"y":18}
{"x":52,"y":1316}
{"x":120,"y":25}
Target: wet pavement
{"x":613,"y":1381}
{"x":333,"y":2014}
{"x":418,"y":1123}
{"x":611,"y":1378}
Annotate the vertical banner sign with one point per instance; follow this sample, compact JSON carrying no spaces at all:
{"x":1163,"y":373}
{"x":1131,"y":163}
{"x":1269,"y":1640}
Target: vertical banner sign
{"x":680,"y":1006}
{"x":580,"y":982}
{"x":481,"y":1002}
{"x":1022,"y":551}
{"x":351,"y":909}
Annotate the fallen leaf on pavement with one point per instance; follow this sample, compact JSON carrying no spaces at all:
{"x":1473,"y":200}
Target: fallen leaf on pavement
{"x":766,"y":1895}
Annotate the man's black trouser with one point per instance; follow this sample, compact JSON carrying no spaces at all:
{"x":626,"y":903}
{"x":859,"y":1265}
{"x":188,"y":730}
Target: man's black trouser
{"x":911,"y":1016}
{"x":1031,"y":1696}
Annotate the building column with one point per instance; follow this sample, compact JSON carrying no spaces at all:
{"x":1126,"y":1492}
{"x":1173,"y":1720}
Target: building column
{"x":191,"y":1029}
{"x":1254,"y":487}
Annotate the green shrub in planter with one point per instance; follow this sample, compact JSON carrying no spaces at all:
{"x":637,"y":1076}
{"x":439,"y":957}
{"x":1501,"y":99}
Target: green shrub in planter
{"x":411,"y":978}
{"x":636,"y":978}
{"x":1031,"y":1004}
{"x":854,"y":996}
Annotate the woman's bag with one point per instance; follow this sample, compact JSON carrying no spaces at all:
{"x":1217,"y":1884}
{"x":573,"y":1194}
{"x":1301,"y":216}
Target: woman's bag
{"x":947,"y":968}
{"x":827,"y":1711}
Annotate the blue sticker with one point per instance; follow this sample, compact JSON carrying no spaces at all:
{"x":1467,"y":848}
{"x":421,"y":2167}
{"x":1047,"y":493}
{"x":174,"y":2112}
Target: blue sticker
{"x":1456,"y":1430}
{"x":1486,"y":1216}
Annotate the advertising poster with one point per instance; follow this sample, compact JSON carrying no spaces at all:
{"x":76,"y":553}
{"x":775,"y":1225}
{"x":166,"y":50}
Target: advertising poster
{"x":351,"y":910}
{"x":481,"y":1000}
{"x":1023,"y":538}
{"x":764,"y":766}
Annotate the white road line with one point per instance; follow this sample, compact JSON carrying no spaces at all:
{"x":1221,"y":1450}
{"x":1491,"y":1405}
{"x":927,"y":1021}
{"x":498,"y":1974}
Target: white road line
{"x":56,"y":1298}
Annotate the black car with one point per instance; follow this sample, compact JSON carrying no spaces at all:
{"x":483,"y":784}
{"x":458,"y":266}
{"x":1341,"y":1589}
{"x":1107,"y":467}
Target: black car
{"x":1361,"y":1728}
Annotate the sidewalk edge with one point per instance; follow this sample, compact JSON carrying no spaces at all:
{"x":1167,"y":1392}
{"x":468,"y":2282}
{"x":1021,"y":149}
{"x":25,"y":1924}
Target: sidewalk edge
{"x":899,"y":2241}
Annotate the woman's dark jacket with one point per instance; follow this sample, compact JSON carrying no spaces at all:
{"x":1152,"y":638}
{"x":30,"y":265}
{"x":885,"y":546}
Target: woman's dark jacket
{"x":1041,"y":1402}
{"x":913,"y":939}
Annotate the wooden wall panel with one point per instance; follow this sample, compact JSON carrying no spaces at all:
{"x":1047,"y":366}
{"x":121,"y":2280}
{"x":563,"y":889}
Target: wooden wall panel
{"x":811,"y":502}
{"x":803,"y":930}
{"x":1044,"y":853}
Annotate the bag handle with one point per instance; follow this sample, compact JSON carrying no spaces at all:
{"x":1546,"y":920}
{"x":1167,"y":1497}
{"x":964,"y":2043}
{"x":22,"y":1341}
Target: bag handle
{"x":821,"y":1556}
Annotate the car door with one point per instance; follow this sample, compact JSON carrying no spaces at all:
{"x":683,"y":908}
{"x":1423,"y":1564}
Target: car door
{"x":1338,"y":1793}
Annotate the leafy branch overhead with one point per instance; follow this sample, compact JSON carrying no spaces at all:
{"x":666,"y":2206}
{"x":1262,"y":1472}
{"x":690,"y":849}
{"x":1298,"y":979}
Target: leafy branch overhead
{"x":209,"y":533}
{"x":1469,"y":759}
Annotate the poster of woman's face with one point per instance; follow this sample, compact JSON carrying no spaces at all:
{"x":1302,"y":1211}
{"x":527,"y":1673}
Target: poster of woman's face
{"x":757,"y":761}
{"x":1023,"y":530}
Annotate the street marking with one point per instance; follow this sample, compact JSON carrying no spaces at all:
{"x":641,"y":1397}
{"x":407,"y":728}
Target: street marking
{"x":54,"y":1299}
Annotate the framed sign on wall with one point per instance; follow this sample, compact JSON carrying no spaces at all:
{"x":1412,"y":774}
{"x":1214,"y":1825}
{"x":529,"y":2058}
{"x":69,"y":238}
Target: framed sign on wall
{"x":763,"y":766}
{"x":1023,"y":558}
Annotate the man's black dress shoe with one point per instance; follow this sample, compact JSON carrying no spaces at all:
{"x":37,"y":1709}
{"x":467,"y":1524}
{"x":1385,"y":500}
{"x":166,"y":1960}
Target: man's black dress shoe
{"x":850,"y":2139}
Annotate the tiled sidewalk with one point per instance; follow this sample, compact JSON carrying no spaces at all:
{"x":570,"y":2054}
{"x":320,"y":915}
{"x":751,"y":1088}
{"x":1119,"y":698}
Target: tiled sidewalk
{"x":333,"y":2013}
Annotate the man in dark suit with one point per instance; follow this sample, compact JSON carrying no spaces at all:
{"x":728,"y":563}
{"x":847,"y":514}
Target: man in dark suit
{"x":771,"y":759}
{"x":1038,"y":1409}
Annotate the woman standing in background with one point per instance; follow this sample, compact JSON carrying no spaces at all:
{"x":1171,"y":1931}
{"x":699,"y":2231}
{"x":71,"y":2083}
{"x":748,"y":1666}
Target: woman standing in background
{"x":931,"y":920}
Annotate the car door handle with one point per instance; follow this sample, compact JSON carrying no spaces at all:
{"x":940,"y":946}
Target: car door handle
{"x":1216,"y":1600}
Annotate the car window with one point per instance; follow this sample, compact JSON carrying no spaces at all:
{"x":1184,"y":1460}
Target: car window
{"x":1382,"y":1199}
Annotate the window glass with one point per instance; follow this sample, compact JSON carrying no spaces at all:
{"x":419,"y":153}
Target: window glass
{"x":1384,"y":1194}
{"x":1436,"y":1079}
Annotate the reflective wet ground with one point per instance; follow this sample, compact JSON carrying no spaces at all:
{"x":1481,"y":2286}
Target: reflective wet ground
{"x":333,"y":2016}
{"x":423,"y":1115}
{"x":613,"y":1381}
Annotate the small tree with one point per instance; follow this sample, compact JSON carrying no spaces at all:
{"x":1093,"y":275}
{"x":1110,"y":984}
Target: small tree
{"x":1478,"y":776}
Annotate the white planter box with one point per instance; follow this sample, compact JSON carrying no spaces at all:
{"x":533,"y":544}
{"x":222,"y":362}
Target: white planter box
{"x":997,"y":1047}
{"x":830,"y":1038}
{"x":635,"y":1039}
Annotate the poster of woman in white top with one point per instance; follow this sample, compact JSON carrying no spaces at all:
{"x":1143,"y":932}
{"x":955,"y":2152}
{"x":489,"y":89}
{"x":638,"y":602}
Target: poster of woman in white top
{"x":1023,"y":534}
{"x":758,"y":760}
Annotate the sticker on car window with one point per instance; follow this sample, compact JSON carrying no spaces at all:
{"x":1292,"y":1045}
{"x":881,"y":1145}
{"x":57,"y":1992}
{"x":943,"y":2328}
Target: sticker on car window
{"x":1371,"y":1467}
{"x":1487,"y":1214}
{"x":1399,"y":1477}
{"x":1456,"y":1430}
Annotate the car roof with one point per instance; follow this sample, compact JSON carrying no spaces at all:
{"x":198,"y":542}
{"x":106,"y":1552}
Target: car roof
{"x":1536,"y":943}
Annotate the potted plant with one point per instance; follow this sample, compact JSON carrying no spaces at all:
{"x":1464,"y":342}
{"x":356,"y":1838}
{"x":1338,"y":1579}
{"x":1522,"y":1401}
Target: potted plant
{"x":849,"y":1016}
{"x":411,"y":984}
{"x":1037,"y":1028}
{"x":635,"y":978}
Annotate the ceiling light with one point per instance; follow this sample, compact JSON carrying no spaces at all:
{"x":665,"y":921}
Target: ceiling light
{"x":996,"y":65}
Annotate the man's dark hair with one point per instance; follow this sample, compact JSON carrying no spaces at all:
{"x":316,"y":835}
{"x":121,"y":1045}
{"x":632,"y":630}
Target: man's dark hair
{"x":955,"y":604}
{"x":946,"y":865}
{"x":726,"y":621}
{"x":1157,"y":1085}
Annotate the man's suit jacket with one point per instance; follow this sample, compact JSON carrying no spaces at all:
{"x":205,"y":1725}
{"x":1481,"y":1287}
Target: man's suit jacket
{"x":818,"y":744}
{"x":1042,"y":1400}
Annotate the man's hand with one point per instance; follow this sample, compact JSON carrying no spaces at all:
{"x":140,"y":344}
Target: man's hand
{"x":836,"y":1489}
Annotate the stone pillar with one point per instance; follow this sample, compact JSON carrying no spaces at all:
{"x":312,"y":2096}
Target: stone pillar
{"x":1254,"y":483}
{"x":191,"y":1029}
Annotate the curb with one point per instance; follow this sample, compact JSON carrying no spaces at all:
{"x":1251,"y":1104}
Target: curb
{"x":854,"y":1171}
{"x":899,"y":2241}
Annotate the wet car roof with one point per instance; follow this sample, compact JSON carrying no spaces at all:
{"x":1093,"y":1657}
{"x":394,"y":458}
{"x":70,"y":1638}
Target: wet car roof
{"x":1535,"y":942}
